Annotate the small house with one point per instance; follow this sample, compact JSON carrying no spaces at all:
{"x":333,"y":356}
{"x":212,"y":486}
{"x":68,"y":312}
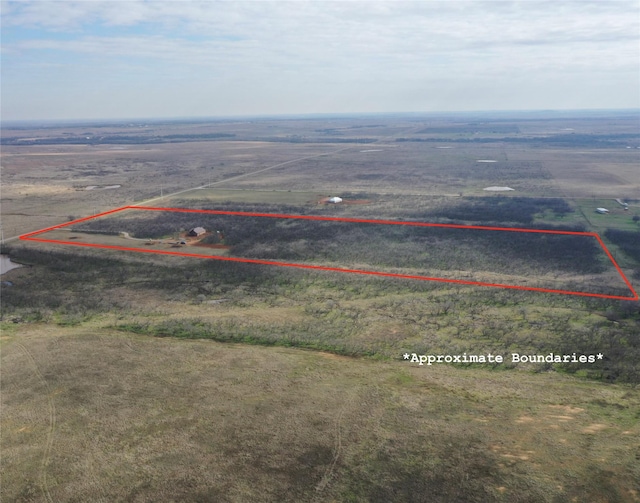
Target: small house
{"x":197,"y":231}
{"x":603,"y":211}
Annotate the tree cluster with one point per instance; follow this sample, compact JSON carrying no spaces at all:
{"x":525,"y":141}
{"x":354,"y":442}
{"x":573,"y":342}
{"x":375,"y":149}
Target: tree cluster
{"x":627,"y":241}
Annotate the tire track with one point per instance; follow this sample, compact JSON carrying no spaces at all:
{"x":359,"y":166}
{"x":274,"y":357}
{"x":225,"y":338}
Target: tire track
{"x":243,"y":175}
{"x":268,"y":168}
{"x":337,"y":450}
{"x":52,"y":426}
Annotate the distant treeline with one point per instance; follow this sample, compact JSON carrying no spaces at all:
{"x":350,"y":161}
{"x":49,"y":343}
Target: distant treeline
{"x":306,"y":139}
{"x":332,"y":130}
{"x":471,"y":129}
{"x":175,"y":138}
{"x":560,"y":140}
{"x":117,"y":139}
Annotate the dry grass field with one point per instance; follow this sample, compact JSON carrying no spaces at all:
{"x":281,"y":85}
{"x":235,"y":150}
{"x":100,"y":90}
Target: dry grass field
{"x":90,"y":414}
{"x":43,"y":183}
{"x":137,"y":377}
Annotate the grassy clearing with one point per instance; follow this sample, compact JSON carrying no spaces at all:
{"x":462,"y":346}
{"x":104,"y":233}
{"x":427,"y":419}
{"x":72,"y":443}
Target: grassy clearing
{"x":617,"y":218}
{"x":148,"y":419}
{"x":246,"y":196}
{"x":169,"y":243}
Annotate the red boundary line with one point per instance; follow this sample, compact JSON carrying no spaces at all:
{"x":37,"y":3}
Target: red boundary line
{"x":30,"y":237}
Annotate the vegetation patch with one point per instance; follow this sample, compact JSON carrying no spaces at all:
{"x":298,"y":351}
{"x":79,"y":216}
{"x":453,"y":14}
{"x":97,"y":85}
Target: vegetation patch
{"x":627,"y":241}
{"x":377,"y":245}
{"x":521,"y":210}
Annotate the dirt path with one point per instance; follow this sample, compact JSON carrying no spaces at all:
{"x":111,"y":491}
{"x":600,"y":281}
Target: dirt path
{"x":241,"y":176}
{"x":52,"y":425}
{"x":126,"y":235}
{"x":244,"y":175}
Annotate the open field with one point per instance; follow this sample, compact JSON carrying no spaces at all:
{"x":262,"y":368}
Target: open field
{"x":45,"y":182}
{"x":215,"y":197}
{"x":40,"y":190}
{"x":617,"y":217}
{"x":141,"y":377}
{"x":146,"y":419}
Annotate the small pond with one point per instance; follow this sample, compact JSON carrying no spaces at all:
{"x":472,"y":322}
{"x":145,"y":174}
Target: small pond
{"x":6,"y":264}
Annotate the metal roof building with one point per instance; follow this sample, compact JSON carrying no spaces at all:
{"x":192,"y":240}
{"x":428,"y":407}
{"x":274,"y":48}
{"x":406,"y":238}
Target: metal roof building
{"x":197,"y":231}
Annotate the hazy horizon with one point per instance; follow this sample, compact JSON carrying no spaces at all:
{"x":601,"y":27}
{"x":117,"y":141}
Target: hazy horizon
{"x":136,"y":60}
{"x":486,"y":114}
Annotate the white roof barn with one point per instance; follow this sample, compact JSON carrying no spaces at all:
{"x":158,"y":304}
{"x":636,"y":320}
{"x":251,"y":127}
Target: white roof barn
{"x":602,"y":210}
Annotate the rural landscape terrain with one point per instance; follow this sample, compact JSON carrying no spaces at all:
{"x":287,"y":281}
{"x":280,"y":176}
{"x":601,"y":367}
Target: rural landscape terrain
{"x":202,"y":345}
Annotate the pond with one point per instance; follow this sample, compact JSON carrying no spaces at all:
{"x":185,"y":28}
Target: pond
{"x":6,"y":264}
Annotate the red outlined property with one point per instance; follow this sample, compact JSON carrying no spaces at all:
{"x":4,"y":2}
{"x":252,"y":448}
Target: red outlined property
{"x":33,"y":236}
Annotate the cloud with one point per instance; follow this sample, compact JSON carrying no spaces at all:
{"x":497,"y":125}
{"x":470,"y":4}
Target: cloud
{"x":307,"y":48}
{"x":461,"y":21}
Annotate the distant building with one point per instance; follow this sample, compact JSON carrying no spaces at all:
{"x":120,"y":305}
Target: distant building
{"x":197,"y":231}
{"x":335,"y":200}
{"x":602,"y":210}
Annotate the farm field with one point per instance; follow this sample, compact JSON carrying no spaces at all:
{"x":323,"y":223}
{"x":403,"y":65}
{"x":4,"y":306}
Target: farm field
{"x":142,"y":377}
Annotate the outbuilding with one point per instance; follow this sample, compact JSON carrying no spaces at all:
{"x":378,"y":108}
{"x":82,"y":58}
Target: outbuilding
{"x":602,"y":210}
{"x":197,"y":231}
{"x":335,"y":200}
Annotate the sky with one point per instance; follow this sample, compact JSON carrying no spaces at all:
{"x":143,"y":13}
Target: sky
{"x":92,"y":59}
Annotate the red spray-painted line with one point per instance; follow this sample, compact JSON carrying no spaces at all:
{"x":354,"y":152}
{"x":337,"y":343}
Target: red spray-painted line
{"x":30,"y":237}
{"x":334,"y":269}
{"x":77,"y":221}
{"x":615,"y":264}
